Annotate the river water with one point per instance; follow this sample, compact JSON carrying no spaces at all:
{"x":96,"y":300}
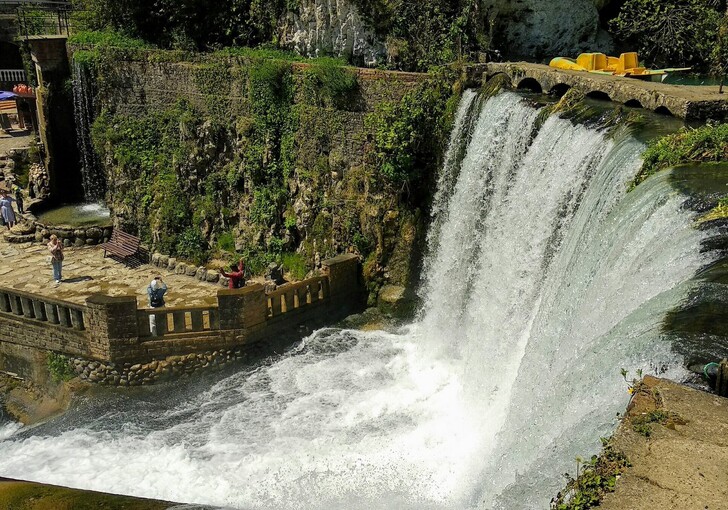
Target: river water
{"x":543,"y":279}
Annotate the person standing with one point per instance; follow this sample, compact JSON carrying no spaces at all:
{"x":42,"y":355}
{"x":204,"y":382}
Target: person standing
{"x":6,"y":209}
{"x":236,"y":275}
{"x":19,"y":198}
{"x":55,"y":246}
{"x":155,"y":292}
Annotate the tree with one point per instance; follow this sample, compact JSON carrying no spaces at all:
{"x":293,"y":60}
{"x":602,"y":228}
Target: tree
{"x":670,"y":33}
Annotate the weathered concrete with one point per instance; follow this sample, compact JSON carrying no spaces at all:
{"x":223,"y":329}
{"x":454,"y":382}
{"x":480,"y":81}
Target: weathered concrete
{"x":682,"y":464}
{"x":683,"y":101}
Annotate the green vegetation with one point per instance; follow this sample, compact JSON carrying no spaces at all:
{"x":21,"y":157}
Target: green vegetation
{"x":60,"y":367}
{"x":594,"y":478}
{"x":700,"y":145}
{"x":186,"y":24}
{"x":671,"y":33}
{"x":420,"y":34}
{"x":403,"y":132}
{"x":216,"y":175}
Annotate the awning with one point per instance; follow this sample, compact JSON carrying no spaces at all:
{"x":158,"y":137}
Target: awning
{"x":6,"y":95}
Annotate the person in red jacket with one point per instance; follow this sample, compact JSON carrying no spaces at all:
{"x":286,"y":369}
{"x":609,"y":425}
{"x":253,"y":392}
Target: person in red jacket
{"x":236,"y":275}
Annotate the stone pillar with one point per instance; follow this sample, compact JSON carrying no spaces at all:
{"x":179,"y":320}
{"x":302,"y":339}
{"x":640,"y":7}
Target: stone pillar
{"x":343,"y":273}
{"x":56,"y":124}
{"x":242,"y":308}
{"x":111,"y":322}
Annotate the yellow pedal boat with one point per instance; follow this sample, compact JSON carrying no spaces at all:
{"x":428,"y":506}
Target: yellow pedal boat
{"x":627,"y":64}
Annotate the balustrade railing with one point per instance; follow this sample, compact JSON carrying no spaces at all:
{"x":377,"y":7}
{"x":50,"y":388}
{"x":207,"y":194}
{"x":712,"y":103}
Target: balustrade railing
{"x":12,"y":75}
{"x":176,"y":320}
{"x":42,"y":309}
{"x":297,"y":295}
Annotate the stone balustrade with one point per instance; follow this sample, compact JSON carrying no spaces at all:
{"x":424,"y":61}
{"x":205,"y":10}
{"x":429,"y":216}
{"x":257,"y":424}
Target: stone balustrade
{"x":112,"y":331}
{"x":42,"y":309}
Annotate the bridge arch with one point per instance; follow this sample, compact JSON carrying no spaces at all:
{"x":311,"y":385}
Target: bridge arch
{"x":530,"y":84}
{"x":559,"y":89}
{"x":598,"y":94}
{"x":633,"y":103}
{"x":664,"y":110}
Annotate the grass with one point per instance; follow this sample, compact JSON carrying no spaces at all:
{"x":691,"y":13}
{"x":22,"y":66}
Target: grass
{"x":594,"y":479}
{"x":700,"y":145}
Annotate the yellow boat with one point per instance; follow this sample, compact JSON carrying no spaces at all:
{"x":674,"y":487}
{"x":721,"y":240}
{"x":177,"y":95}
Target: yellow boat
{"x":627,"y":64}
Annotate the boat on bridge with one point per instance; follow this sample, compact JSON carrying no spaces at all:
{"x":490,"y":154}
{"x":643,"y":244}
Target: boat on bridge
{"x":627,"y":64}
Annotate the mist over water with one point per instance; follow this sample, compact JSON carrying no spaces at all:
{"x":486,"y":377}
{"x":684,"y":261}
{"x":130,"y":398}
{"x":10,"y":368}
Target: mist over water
{"x":542,"y":280}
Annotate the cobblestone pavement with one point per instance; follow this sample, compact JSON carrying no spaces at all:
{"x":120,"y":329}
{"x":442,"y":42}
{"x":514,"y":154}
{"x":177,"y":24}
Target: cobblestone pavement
{"x":24,"y":267}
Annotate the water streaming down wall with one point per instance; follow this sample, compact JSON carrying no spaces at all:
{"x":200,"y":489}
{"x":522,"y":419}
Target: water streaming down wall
{"x":543,"y":280}
{"x":92,"y":172}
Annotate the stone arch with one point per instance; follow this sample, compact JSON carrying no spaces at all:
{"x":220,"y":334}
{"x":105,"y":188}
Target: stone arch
{"x":663,"y":110}
{"x":633,"y":103}
{"x":559,"y":89}
{"x":530,"y":84}
{"x":599,"y":95}
{"x":10,"y":57}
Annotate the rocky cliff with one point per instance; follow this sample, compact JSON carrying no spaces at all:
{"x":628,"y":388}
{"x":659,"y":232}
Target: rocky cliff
{"x":520,"y":28}
{"x":332,"y":27}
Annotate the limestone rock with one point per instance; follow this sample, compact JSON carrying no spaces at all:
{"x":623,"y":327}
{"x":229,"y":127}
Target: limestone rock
{"x":331,"y":27}
{"x":545,"y":28}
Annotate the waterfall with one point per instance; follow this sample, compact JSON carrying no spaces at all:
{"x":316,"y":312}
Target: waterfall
{"x":92,"y":172}
{"x":543,"y":279}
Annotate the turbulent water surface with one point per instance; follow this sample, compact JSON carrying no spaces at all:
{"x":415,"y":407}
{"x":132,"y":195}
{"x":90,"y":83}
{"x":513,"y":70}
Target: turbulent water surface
{"x":543,"y":279}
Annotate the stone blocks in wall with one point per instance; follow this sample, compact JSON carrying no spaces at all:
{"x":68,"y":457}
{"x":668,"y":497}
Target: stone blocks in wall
{"x":113,"y":321}
{"x":242,"y":308}
{"x":343,"y":273}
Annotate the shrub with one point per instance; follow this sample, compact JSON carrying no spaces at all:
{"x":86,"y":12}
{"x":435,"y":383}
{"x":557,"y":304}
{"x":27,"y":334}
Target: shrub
{"x":704,"y":144}
{"x":295,"y":263}
{"x":60,"y":367}
{"x":192,"y":246}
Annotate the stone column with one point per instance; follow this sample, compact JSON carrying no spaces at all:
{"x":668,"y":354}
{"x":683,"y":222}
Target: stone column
{"x":242,"y":308}
{"x":111,"y":322}
{"x":343,"y":273}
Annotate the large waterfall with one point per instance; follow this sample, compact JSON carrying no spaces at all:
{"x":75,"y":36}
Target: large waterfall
{"x":543,"y":279}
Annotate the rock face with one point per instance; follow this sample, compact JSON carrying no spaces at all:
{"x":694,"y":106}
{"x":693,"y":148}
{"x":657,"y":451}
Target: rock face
{"x":332,"y":27}
{"x":524,"y":28}
{"x":548,"y":28}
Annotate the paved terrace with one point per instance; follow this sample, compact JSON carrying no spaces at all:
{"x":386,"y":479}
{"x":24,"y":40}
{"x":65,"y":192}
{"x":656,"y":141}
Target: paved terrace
{"x":23,"y":267}
{"x":684,"y":101}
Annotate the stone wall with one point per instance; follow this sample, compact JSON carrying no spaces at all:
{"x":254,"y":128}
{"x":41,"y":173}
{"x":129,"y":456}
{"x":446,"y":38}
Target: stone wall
{"x":334,"y":192}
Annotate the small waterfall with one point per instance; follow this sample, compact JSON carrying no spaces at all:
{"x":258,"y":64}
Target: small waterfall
{"x":92,"y":172}
{"x":543,"y":280}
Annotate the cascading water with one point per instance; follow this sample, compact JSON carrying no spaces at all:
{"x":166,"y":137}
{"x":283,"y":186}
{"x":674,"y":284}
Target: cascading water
{"x":92,"y":172}
{"x":543,"y":279}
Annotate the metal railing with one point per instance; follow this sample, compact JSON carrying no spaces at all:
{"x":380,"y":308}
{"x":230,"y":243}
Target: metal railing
{"x":177,"y":320}
{"x":12,"y":75}
{"x":39,"y":17}
{"x":42,"y":309}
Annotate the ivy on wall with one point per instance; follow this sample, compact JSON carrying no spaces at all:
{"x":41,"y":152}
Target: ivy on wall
{"x":228,"y":174}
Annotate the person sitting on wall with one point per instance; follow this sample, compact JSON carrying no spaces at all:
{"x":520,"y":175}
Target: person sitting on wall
{"x":155,"y":291}
{"x":236,"y":275}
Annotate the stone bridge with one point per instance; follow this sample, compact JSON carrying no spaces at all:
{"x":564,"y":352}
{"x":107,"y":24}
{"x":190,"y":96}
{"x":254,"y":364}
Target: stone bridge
{"x":698,"y":103}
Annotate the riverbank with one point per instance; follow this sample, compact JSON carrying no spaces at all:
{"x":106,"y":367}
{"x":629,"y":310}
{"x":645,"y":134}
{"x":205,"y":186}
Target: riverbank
{"x":676,"y":439}
{"x":29,"y":403}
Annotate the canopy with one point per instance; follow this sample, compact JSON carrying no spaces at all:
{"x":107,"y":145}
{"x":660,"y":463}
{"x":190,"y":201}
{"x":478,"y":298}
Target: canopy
{"x":6,"y":95}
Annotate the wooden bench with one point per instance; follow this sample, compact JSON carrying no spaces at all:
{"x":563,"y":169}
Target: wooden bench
{"x":121,"y":244}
